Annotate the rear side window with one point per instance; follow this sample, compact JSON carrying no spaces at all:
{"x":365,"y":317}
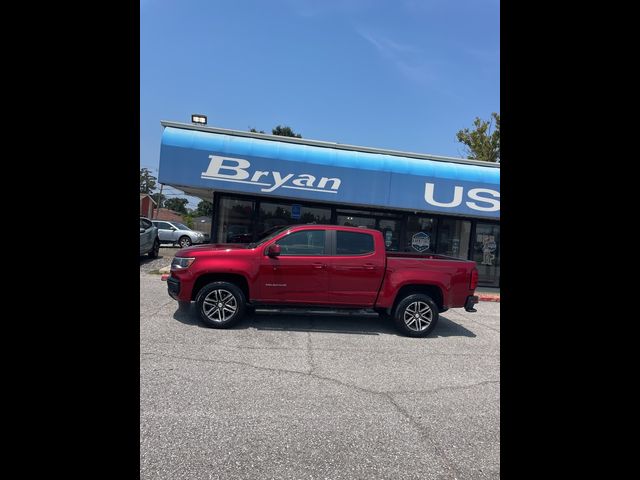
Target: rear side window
{"x":353,"y":243}
{"x":145,"y":224}
{"x":307,"y":242}
{"x":163,"y":225}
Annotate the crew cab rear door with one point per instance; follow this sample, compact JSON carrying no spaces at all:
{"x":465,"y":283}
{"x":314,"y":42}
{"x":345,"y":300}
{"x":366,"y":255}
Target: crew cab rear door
{"x":356,"y":269}
{"x":299,"y":274}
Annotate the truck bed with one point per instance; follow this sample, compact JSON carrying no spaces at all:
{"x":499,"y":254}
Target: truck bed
{"x":421,"y":256}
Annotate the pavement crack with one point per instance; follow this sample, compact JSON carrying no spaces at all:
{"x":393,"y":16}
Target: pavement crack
{"x":423,"y":432}
{"x":439,"y":389}
{"x":270,"y":369}
{"x":425,"y":435}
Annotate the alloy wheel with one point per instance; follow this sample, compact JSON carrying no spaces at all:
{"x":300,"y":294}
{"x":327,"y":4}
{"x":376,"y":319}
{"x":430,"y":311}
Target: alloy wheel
{"x":418,"y":316}
{"x":220,"y":305}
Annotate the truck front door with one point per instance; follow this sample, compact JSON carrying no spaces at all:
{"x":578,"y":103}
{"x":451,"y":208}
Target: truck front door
{"x":299,"y":274}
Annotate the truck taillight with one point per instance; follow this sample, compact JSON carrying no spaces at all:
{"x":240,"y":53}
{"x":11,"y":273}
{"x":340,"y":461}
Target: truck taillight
{"x":473,"y":282}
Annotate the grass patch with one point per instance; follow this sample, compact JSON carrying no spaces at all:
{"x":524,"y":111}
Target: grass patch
{"x":155,"y":272}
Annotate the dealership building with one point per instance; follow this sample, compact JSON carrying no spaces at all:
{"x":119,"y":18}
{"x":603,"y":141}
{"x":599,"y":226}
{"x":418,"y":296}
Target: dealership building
{"x":421,"y":203}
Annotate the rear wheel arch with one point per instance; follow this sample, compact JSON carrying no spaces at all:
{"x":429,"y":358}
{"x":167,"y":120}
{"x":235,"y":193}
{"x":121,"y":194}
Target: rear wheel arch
{"x":433,"y":291}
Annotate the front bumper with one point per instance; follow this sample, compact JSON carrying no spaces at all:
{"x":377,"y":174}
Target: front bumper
{"x":471,"y":301}
{"x":173,"y":287}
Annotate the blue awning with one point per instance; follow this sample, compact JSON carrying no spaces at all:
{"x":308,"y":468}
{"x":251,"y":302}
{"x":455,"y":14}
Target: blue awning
{"x":227,"y":162}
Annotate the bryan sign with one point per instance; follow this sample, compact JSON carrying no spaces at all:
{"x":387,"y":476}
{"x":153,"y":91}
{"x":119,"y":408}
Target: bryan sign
{"x":386,"y":189}
{"x":238,"y":170}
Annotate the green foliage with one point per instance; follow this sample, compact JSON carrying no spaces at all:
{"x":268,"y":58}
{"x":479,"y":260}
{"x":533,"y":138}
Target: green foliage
{"x":188,"y":219}
{"x":159,"y":199}
{"x":147,"y":181}
{"x":481,"y":143}
{"x":285,"y":132}
{"x":177,"y":205}
{"x":281,"y":130}
{"x":205,"y":208}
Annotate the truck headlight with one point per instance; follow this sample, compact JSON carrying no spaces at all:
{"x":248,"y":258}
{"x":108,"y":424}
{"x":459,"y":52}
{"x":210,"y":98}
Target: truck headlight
{"x":180,"y":263}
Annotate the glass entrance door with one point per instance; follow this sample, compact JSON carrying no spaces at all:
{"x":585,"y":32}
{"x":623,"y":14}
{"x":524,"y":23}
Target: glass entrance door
{"x":486,"y":253}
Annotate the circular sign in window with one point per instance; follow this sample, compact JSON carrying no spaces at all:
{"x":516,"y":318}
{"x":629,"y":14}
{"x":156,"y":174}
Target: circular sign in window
{"x":420,"y":242}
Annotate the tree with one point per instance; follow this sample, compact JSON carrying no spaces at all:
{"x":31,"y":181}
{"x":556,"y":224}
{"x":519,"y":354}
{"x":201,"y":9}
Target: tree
{"x":177,"y":205}
{"x":205,"y":208}
{"x":281,"y":130}
{"x":147,"y":181}
{"x":481,"y":143}
{"x":188,"y":219}
{"x":285,"y":132}
{"x":159,"y":198}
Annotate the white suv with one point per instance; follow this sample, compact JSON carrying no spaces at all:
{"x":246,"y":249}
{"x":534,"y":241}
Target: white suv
{"x":174,"y":232}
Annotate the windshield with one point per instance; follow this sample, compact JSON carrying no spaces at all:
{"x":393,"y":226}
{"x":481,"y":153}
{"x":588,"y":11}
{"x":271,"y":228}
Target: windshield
{"x":180,"y":226}
{"x":268,"y":236}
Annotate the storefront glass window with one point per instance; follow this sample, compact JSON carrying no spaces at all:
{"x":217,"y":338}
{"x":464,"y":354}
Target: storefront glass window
{"x":279,"y":214}
{"x":318,"y":215}
{"x":390,"y":232}
{"x":349,"y":220}
{"x":234,"y":225}
{"x":486,"y":253}
{"x":453,"y":237}
{"x":364,"y":213}
{"x":420,"y":234}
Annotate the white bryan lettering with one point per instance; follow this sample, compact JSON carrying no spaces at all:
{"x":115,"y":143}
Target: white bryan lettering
{"x":216,"y":164}
{"x":257,"y":175}
{"x":310,"y":179}
{"x":334,"y":185}
{"x":279,"y":182}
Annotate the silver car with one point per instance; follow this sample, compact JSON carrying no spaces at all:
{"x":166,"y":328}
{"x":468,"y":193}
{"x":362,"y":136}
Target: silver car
{"x":174,"y":232}
{"x":149,"y":242}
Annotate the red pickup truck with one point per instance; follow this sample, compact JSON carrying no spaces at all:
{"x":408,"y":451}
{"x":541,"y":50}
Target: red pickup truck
{"x":321,"y":266}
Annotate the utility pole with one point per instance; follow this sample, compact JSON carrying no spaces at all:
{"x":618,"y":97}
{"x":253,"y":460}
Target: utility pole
{"x":159,"y":200}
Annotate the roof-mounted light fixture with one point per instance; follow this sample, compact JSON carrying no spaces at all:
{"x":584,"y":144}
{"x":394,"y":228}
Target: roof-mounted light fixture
{"x":199,"y":119}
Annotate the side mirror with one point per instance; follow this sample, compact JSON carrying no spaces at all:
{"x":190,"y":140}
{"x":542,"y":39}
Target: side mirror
{"x":141,"y":230}
{"x":274,"y":250}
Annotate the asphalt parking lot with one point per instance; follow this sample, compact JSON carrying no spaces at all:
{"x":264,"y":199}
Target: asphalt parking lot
{"x":291,"y":396}
{"x":148,"y":264}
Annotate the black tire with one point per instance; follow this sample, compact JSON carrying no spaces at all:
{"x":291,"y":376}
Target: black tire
{"x":153,"y":253}
{"x":184,"y":241}
{"x":221,"y":304}
{"x":416,"y":315}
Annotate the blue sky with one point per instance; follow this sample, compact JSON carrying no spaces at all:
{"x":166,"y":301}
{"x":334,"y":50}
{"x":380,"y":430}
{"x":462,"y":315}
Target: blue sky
{"x":403,"y":74}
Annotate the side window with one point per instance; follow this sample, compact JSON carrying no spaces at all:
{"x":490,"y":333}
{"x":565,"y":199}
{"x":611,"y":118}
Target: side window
{"x":353,"y":243}
{"x":163,"y":225}
{"x":145,"y":224}
{"x":308,"y":242}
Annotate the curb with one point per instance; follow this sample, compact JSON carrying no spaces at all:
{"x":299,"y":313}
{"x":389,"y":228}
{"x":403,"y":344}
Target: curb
{"x":489,"y":298}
